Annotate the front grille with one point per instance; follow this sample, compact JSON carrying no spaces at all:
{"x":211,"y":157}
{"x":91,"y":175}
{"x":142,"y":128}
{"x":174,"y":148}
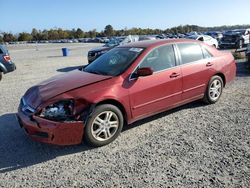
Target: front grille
{"x":229,"y":39}
{"x":26,"y":108}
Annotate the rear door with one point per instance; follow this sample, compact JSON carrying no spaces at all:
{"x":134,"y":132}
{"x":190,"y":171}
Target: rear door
{"x":154,"y":93}
{"x":195,"y":69}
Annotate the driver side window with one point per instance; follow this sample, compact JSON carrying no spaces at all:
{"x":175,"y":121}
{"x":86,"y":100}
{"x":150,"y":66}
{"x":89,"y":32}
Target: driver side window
{"x":160,"y":58}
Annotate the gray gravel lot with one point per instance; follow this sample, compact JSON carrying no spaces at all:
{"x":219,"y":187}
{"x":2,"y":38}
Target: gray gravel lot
{"x":195,"y":145}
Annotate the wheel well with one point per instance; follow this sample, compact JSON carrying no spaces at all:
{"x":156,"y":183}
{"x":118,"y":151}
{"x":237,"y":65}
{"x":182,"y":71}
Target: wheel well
{"x":117,"y":104}
{"x":223,"y":78}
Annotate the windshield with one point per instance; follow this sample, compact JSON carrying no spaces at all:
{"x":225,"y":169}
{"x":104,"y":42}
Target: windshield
{"x":112,"y":43}
{"x":114,"y":62}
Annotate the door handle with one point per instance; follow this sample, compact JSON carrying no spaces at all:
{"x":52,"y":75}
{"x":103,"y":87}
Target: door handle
{"x":209,"y":64}
{"x":174,"y":75}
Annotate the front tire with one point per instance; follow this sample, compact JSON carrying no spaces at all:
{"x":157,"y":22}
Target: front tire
{"x":104,"y":125}
{"x":214,"y":90}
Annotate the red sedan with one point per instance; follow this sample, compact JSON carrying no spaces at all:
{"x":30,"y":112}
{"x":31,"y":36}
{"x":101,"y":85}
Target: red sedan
{"x":124,"y":85}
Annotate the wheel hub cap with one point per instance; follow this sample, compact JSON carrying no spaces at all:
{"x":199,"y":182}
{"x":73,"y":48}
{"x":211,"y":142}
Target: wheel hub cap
{"x":215,"y":90}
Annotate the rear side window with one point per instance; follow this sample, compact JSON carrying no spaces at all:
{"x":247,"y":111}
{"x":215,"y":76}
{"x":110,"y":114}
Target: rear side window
{"x":190,"y":52}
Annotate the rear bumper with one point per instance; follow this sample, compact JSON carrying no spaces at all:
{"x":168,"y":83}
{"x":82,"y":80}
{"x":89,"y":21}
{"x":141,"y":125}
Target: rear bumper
{"x":7,"y":67}
{"x":46,"y":131}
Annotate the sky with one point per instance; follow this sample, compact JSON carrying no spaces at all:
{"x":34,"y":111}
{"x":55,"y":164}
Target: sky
{"x":23,"y":15}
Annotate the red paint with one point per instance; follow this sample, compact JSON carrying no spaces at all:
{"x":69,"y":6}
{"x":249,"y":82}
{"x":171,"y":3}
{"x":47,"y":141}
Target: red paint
{"x":139,"y":98}
{"x":59,"y":133}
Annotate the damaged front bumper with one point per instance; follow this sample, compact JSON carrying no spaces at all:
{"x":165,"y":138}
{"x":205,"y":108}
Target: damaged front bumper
{"x":51,"y":132}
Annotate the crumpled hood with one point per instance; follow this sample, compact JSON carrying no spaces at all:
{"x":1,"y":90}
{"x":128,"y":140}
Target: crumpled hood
{"x":60,"y":84}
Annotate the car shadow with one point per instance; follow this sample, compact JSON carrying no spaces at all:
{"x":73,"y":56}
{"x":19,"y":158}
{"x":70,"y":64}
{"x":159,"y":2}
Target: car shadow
{"x":195,"y":104}
{"x":17,"y":150}
{"x":243,"y":69}
{"x":68,"y":69}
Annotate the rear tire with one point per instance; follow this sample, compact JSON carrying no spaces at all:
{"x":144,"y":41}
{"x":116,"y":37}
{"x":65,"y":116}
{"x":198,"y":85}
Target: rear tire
{"x":104,"y":125}
{"x":1,"y":76}
{"x":214,"y":90}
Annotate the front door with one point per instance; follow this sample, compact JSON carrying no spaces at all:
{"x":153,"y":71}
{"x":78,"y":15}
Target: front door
{"x":154,"y":93}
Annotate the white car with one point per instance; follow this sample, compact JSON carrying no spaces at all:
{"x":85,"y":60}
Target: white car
{"x":206,"y":39}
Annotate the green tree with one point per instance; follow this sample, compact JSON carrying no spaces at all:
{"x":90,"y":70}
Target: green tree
{"x":92,"y":33}
{"x":9,"y":37}
{"x":62,"y":34}
{"x":53,"y":35}
{"x":24,"y":37}
{"x":35,"y":34}
{"x":79,"y":33}
{"x":109,"y":31}
{"x":43,"y":35}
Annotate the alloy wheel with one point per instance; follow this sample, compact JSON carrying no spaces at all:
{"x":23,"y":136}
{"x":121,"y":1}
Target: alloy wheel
{"x":105,"y":126}
{"x":215,"y":89}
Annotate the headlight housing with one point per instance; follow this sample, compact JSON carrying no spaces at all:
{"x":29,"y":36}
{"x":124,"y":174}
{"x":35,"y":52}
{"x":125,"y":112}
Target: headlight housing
{"x":59,"y":111}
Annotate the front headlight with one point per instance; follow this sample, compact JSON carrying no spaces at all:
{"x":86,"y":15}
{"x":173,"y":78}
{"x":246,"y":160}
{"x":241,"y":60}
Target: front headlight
{"x":59,"y":111}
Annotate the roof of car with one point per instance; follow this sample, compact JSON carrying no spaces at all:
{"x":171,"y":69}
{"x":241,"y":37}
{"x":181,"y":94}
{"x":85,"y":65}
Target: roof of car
{"x":154,"y":43}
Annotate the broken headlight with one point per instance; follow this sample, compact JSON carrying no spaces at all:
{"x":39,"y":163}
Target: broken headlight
{"x":59,"y":111}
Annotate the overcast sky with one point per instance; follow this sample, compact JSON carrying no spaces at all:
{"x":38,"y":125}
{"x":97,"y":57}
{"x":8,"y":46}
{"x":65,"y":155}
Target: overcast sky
{"x":23,"y":15}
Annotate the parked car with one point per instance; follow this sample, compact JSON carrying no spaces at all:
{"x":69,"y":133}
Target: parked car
{"x":215,"y":34}
{"x":6,"y":64}
{"x":148,"y":37}
{"x":97,"y":52}
{"x":128,"y":83}
{"x":236,"y":38}
{"x":206,"y":39}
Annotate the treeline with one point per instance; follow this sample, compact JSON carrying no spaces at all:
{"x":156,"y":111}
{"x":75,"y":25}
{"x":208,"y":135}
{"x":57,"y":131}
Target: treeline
{"x":56,"y":34}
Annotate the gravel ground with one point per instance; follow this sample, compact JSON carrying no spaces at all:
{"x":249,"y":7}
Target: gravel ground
{"x":195,"y":145}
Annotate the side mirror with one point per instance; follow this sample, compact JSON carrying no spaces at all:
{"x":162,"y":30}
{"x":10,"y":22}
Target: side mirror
{"x":201,"y":39}
{"x":145,"y":71}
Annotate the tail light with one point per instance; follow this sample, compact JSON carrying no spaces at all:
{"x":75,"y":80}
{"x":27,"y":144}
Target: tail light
{"x":6,"y":58}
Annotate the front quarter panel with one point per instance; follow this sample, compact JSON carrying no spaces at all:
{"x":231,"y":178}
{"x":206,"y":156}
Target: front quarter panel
{"x":112,"y":89}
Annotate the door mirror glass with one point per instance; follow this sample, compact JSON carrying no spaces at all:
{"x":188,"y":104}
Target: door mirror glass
{"x":145,"y":71}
